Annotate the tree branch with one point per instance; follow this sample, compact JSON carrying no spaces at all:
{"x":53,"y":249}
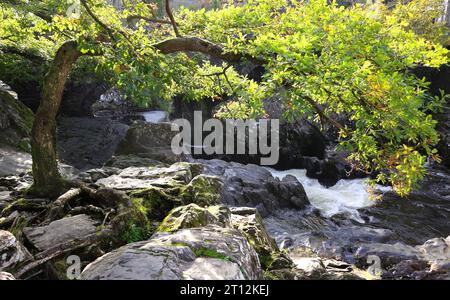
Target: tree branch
{"x":172,"y":19}
{"x":196,"y":44}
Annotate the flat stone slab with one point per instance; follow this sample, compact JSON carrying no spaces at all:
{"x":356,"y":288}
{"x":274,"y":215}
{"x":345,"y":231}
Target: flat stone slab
{"x":60,"y":231}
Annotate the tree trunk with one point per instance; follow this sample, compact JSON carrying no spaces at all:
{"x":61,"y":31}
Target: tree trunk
{"x":47,"y":179}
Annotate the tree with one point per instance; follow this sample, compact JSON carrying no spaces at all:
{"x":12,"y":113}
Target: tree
{"x":331,"y":60}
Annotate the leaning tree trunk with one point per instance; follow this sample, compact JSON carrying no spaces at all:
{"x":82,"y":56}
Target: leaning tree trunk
{"x":47,"y":179}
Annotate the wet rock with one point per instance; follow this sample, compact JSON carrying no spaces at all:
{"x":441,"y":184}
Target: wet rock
{"x":388,"y":254}
{"x":150,"y":141}
{"x":60,"y":231}
{"x":87,"y":143}
{"x":437,"y":252}
{"x":181,"y":255}
{"x":6,"y":276}
{"x":249,"y":222}
{"x":251,"y":185}
{"x":12,"y":252}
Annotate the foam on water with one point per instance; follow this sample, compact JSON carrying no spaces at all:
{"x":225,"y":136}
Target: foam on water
{"x":345,"y":197}
{"x":156,"y":116}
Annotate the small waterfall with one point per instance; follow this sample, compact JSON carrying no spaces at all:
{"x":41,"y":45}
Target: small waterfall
{"x":156,"y":116}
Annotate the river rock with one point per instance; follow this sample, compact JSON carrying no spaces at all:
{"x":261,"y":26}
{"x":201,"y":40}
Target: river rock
{"x":220,"y":253}
{"x":192,"y":215}
{"x":252,"y":185}
{"x":6,"y":276}
{"x":87,"y":143}
{"x":60,"y":231}
{"x":388,"y":254}
{"x":150,"y":140}
{"x":12,"y":252}
{"x":249,"y":222}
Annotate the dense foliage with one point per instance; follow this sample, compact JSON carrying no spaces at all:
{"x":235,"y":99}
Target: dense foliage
{"x":331,"y":61}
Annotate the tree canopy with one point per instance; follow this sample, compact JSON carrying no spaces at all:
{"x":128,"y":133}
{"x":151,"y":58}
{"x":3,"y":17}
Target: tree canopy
{"x":330,"y":60}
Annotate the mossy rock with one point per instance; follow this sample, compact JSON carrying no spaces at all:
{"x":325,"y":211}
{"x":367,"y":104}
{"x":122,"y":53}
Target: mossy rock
{"x":192,"y":215}
{"x":157,"y":201}
{"x":203,"y":190}
{"x":251,"y":225}
{"x":16,"y":120}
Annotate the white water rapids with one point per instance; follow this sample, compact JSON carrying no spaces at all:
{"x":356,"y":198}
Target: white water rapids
{"x":346,"y":196}
{"x":156,"y":116}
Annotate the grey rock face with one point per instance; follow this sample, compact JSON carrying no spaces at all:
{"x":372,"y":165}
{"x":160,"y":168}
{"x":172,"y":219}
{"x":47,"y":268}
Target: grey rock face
{"x":60,"y":231}
{"x":209,"y":252}
{"x":140,"y":178}
{"x":87,"y":143}
{"x":150,"y":140}
{"x":252,"y":185}
{"x":11,"y":251}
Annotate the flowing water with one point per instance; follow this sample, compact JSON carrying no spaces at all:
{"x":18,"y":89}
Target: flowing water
{"x":347,"y":196}
{"x":156,"y":116}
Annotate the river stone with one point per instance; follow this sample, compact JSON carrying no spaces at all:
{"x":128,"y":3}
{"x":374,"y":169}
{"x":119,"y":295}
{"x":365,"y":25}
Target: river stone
{"x":6,"y":276}
{"x":192,"y":215}
{"x":87,"y":143}
{"x":204,"y":190}
{"x":60,"y":231}
{"x":437,"y":252}
{"x":150,"y":140}
{"x":389,"y":254}
{"x":11,"y":251}
{"x":254,"y":186}
{"x":249,"y":222}
{"x":181,"y":255}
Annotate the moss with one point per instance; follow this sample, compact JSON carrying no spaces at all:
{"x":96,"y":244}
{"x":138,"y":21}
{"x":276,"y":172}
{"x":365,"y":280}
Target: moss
{"x":157,"y":201}
{"x":203,"y":190}
{"x":136,"y":232}
{"x":212,"y":253}
{"x":189,"y":216}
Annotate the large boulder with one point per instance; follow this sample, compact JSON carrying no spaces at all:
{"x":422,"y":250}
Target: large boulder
{"x":80,"y":95}
{"x":150,"y":140}
{"x":254,"y":186}
{"x":12,"y":252}
{"x":16,"y":120}
{"x":192,"y":215}
{"x":249,"y":222}
{"x":87,"y":143}
{"x":209,"y":252}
